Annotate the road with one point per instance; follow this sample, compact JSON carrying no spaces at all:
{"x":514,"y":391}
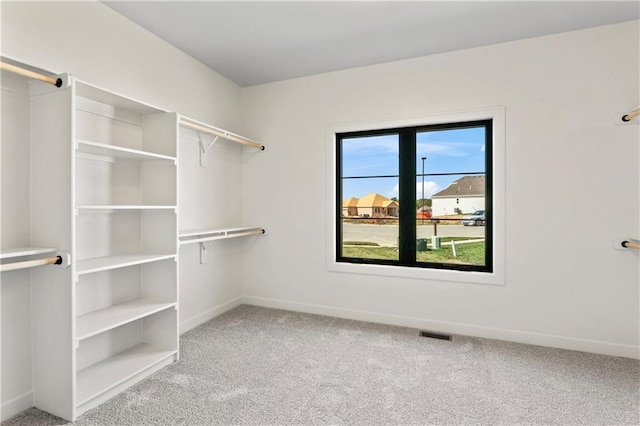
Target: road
{"x":387,"y":235}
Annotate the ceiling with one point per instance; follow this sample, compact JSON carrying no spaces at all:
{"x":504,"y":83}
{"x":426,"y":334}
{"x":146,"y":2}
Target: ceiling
{"x":263,"y":41}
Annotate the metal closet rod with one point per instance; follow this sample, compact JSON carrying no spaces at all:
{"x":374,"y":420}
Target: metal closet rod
{"x":31,"y":263}
{"x":631,"y":115}
{"x":222,"y":133}
{"x":31,"y":74}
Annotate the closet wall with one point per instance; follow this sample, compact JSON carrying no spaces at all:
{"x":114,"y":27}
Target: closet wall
{"x":15,"y":221}
{"x":95,"y":44}
{"x":572,"y":188}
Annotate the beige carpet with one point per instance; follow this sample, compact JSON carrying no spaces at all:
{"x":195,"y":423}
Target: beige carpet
{"x":257,"y":366}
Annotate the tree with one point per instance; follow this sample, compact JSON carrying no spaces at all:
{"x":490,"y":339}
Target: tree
{"x":423,"y":202}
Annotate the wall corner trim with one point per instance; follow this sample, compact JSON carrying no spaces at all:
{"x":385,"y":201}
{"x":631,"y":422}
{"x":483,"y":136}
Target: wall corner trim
{"x":16,"y":405}
{"x":209,"y":315}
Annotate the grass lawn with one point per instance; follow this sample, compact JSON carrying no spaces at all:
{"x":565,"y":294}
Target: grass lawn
{"x":469,"y":254}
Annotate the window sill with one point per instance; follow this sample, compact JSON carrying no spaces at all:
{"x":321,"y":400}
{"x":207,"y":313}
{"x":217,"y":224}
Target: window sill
{"x":465,"y":277}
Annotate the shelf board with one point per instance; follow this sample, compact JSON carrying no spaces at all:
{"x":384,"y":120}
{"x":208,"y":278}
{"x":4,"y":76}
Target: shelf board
{"x":88,"y":266}
{"x":104,"y":375}
{"x":104,"y":96}
{"x":124,"y":207}
{"x":95,"y":148}
{"x":97,"y":322}
{"x":190,"y":237}
{"x":211,"y":231}
{"x":24,"y":251}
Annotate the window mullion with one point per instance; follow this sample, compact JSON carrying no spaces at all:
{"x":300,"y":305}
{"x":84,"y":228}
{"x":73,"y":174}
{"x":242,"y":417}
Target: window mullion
{"x":407,"y":195}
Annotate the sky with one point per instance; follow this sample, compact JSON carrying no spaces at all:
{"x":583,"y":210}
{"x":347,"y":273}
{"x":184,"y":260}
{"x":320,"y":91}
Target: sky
{"x":446,"y":151}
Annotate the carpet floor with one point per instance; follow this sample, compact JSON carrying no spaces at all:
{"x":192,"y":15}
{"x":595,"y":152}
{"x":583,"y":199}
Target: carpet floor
{"x":258,"y":366}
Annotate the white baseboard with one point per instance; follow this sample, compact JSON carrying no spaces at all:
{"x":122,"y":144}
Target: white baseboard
{"x":16,"y":405}
{"x":559,"y":342}
{"x":208,"y":315}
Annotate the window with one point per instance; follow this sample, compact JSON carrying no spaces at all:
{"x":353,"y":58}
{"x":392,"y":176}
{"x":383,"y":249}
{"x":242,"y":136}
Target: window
{"x":418,"y":196}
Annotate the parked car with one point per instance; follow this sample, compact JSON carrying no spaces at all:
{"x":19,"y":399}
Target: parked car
{"x":477,"y":218}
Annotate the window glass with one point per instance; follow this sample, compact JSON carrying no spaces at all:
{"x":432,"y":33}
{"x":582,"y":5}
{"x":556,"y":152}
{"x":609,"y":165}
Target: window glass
{"x":450,"y":192}
{"x":416,"y":196}
{"x":369,"y":198}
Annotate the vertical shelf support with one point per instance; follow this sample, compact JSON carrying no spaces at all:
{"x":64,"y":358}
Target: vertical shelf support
{"x":205,"y":149}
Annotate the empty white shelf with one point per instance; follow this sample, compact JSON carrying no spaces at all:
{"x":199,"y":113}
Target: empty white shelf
{"x":98,"y":264}
{"x":115,"y":151}
{"x":99,"y":378}
{"x":25,"y":251}
{"x":97,"y":322}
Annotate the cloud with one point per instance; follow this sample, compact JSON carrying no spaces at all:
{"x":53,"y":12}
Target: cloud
{"x":448,"y":149}
{"x":430,"y":188}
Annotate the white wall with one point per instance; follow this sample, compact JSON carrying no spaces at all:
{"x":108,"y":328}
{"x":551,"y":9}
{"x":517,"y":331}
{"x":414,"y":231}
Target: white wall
{"x":15,"y":291}
{"x":565,"y":284}
{"x":95,"y":44}
{"x":467,"y":205}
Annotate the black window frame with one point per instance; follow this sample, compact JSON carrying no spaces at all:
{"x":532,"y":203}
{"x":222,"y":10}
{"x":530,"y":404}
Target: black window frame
{"x":407,"y":137}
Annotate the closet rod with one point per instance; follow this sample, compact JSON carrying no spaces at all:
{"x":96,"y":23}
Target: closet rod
{"x":31,"y":263}
{"x":31,"y":74}
{"x":628,"y":244}
{"x":632,"y":114}
{"x":223,"y":237}
{"x":222,"y":133}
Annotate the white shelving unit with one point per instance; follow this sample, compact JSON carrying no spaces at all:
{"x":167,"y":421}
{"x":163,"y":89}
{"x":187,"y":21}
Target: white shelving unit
{"x":112,"y":151}
{"x":104,"y":184}
{"x":99,"y":264}
{"x":104,"y":376}
{"x":112,"y":318}
{"x":126,"y":224}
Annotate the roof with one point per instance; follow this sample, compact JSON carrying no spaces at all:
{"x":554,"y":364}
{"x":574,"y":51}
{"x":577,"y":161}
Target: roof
{"x":373,"y":200}
{"x":390,"y":203}
{"x":468,"y":186}
{"x":350,"y":202}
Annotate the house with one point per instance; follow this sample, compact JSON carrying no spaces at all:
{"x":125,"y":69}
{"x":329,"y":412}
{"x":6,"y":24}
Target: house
{"x":371,"y":205}
{"x":350,"y":207}
{"x":562,"y":73}
{"x":464,"y":195}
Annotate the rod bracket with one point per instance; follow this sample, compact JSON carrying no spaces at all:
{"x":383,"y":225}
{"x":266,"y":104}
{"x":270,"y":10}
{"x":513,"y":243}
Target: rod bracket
{"x":63,"y":80}
{"x":64,"y":259}
{"x":627,"y":118}
{"x":203,"y":254}
{"x":205,"y":147}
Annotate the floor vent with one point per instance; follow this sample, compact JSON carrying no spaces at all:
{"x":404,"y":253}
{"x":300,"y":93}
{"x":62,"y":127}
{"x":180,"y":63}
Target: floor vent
{"x":434,"y":335}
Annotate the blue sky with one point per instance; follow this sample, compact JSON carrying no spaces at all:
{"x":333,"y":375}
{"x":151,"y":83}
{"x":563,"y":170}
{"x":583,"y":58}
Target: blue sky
{"x":447,"y":151}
